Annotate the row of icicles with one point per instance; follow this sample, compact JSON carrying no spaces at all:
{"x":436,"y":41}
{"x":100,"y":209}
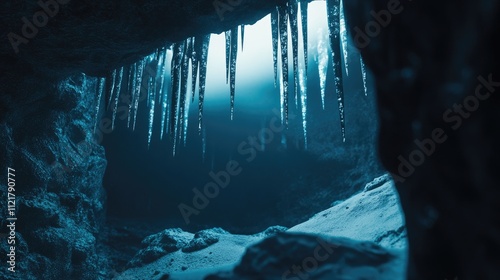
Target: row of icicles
{"x":149,"y":75}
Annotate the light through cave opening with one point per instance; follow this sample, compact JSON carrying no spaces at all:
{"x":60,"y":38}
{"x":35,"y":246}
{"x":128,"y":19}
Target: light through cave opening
{"x":169,"y":78}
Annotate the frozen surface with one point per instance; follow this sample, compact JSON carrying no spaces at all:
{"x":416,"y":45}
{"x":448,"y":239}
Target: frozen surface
{"x":368,"y":229}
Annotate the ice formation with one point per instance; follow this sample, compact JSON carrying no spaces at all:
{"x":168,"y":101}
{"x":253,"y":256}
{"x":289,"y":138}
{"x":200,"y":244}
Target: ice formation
{"x":168,"y":78}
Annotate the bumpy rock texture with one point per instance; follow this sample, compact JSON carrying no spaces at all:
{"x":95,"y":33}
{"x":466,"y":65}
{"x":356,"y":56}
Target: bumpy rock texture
{"x":429,"y":56}
{"x":302,"y":256}
{"x":58,"y":170}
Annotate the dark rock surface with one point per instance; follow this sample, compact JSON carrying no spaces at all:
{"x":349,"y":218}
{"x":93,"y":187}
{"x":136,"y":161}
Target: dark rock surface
{"x":303,"y":256}
{"x":59,"y":168}
{"x":431,"y":63}
{"x":160,"y":244}
{"x":202,"y":239}
{"x":96,"y":37}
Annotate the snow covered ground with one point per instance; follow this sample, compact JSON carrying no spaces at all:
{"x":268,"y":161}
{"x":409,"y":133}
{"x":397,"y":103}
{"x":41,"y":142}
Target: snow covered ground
{"x":367,"y":228}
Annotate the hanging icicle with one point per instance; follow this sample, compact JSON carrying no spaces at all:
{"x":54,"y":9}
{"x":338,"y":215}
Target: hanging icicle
{"x":184,"y":88}
{"x":322,"y":61}
{"x":178,"y":49}
{"x":232,"y":74}
{"x":162,"y":92}
{"x":275,"y":38}
{"x":111,"y":91}
{"x":152,"y":99}
{"x":100,"y":90}
{"x":333,"y":17}
{"x":303,"y":14}
{"x":363,"y":74}
{"x":343,"y":37}
{"x":294,"y":28}
{"x":131,"y":81}
{"x":138,"y":88}
{"x":227,"y":35}
{"x":118,"y":88}
{"x":303,"y":102}
{"x":187,"y":103}
{"x":283,"y":27}
{"x":203,"y":57}
{"x":194,"y":67}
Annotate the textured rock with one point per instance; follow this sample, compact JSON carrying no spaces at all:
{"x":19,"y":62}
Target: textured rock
{"x":427,"y":62}
{"x":202,"y":239}
{"x":59,"y":168}
{"x":160,"y":244}
{"x":303,"y":256}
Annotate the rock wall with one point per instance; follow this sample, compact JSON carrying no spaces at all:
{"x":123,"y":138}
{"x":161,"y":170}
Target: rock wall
{"x":59,"y":198}
{"x":436,"y":66}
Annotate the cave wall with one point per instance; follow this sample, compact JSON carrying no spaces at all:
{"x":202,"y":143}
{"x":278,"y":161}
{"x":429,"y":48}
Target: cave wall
{"x":59,"y":167}
{"x":436,"y":68}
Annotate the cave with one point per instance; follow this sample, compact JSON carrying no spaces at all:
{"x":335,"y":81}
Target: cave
{"x":249,"y":139}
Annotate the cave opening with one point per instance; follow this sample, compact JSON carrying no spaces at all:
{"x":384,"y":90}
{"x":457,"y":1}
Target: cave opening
{"x":278,"y":180}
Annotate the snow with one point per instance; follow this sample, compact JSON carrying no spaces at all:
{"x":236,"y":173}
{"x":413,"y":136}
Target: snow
{"x":368,"y":227}
{"x":366,"y":216}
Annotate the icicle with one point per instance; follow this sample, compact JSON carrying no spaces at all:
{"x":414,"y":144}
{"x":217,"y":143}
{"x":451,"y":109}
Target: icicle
{"x":228,"y":53}
{"x":205,"y":41}
{"x":152,"y":99}
{"x":194,"y":67}
{"x":343,"y":37}
{"x":163,"y":92}
{"x":100,"y":90}
{"x":303,"y":13}
{"x":132,"y":81}
{"x":242,"y":32}
{"x":118,"y":88}
{"x":178,"y":49}
{"x":363,"y":74}
{"x":322,"y":60}
{"x":232,"y":74}
{"x":283,"y":27}
{"x":303,"y":102}
{"x":113,"y":80}
{"x":275,"y":38}
{"x":294,"y":27}
{"x":184,"y":88}
{"x":333,"y":16}
{"x":282,"y":97}
{"x":186,"y":120}
{"x":138,"y":88}
{"x":162,"y":97}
